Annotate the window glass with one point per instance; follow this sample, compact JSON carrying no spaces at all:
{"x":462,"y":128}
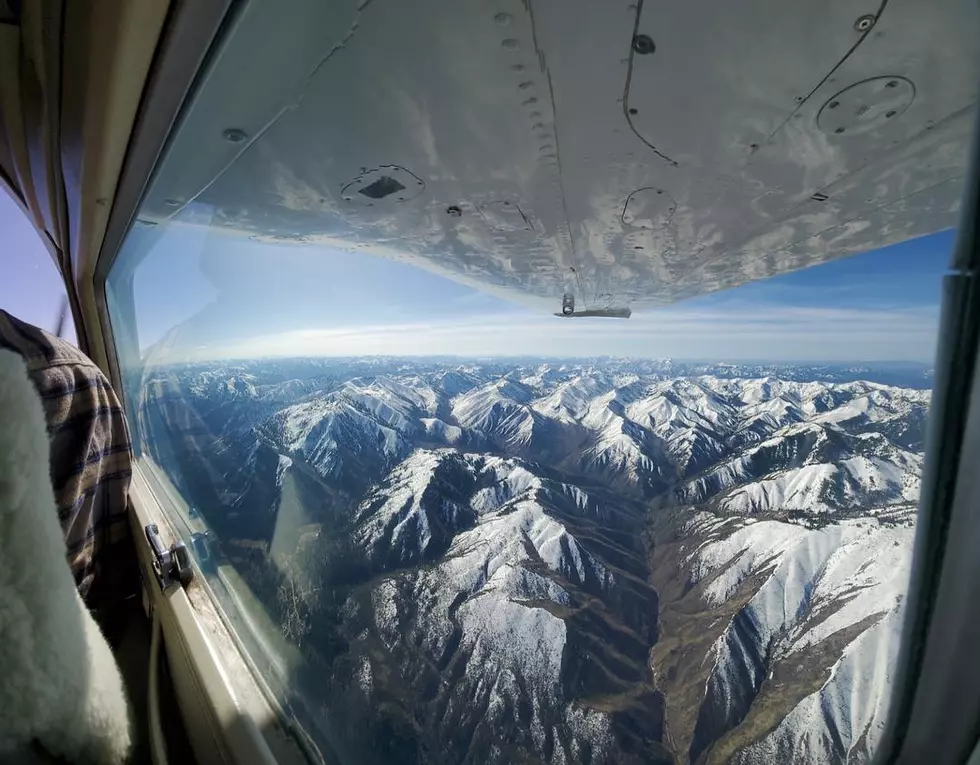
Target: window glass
{"x":31,"y":288}
{"x":439,"y":518}
{"x":449,"y":524}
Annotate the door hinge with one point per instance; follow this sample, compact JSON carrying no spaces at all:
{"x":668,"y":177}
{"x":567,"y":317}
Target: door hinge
{"x":171,"y":565}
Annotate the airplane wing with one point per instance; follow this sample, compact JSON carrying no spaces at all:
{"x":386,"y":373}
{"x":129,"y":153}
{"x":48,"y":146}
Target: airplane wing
{"x":628,"y":154}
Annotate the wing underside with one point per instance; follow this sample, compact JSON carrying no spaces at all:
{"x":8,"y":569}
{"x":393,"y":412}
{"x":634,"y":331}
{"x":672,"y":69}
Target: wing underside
{"x":629,"y":155}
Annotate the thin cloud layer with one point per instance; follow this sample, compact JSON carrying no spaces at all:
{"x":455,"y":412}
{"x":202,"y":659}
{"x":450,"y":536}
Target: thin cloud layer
{"x":776,"y":333}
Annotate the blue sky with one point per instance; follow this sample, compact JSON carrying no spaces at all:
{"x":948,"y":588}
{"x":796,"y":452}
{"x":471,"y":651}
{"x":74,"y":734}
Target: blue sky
{"x":208,"y":295}
{"x":31,"y":287}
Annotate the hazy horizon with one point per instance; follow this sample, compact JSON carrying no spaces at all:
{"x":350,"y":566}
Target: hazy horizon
{"x":206,"y":296}
{"x":535,"y":358}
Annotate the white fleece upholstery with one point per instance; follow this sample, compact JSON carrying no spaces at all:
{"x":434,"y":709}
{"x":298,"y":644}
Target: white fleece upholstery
{"x":59,"y":683}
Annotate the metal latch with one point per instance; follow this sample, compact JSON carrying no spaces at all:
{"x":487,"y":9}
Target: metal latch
{"x":173,"y":565}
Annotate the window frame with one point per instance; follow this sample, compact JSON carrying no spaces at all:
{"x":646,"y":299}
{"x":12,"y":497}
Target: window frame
{"x":938,"y":674}
{"x":229,"y":713}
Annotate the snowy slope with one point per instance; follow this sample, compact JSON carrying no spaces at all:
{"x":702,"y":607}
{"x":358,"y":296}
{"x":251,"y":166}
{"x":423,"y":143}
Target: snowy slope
{"x":363,"y":427}
{"x":499,"y":409}
{"x":843,"y":582}
{"x":809,"y":468}
{"x":495,"y":608}
{"x":844,"y":720}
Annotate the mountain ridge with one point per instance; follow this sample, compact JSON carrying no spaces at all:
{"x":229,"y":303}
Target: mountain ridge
{"x":567,"y":562}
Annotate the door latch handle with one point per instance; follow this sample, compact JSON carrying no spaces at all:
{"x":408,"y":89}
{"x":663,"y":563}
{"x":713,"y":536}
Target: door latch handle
{"x":171,"y":565}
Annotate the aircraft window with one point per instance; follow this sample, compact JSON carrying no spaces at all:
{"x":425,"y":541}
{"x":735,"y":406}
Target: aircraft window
{"x":496,"y":447}
{"x":31,"y":288}
{"x":448,"y":526}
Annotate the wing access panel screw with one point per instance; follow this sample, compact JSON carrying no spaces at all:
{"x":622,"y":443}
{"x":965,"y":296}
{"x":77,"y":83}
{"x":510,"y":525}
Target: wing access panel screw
{"x":643,"y":44}
{"x":234,"y":135}
{"x":864,"y":23}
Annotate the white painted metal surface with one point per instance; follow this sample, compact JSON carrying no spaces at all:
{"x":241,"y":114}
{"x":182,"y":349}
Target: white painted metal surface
{"x":662,"y":150}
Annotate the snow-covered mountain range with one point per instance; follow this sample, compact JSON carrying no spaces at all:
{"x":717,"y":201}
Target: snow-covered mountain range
{"x":598,"y":561}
